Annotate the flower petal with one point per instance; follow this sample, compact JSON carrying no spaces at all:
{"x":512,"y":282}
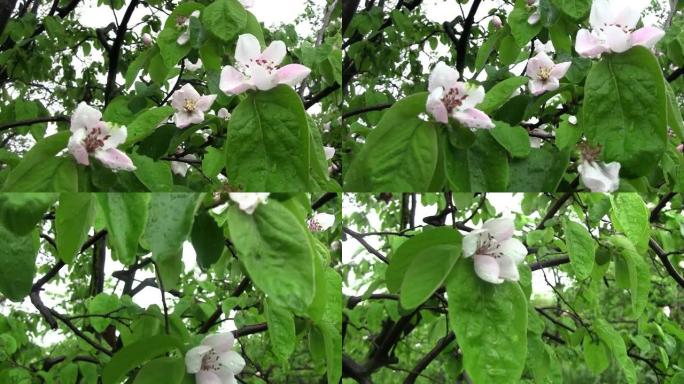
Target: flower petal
{"x":471,"y":242}
{"x":183,"y":38}
{"x":551,"y":84}
{"x":617,"y":39}
{"x":514,"y":249}
{"x":189,"y":92}
{"x":227,"y":376}
{"x":537,"y":87}
{"x":473,"y":118}
{"x":77,"y":149}
{"x":588,"y":45}
{"x":442,"y":76}
{"x":487,"y":269}
{"x":178,"y":100}
{"x":84,"y":117}
{"x":646,"y":36}
{"x":600,"y":178}
{"x":247,"y":49}
{"x":180,"y":168}
{"x":117,"y":136}
{"x":292,"y":74}
{"x":436,"y":107}
{"x":207,"y":377}
{"x":501,"y":228}
{"x":262,"y":79}
{"x":193,"y":359}
{"x":559,"y":70}
{"x":115,"y":159}
{"x":508,"y":270}
{"x":205,"y":102}
{"x":220,"y":342}
{"x":474,"y":95}
{"x":534,"y":18}
{"x":329,"y":152}
{"x":325,"y":220}
{"x":275,"y":52}
{"x":233,"y":361}
{"x":232,"y":81}
{"x":182,"y":119}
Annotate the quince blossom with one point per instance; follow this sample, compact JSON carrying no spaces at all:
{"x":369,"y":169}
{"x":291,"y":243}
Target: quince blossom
{"x":214,"y":361}
{"x":147,"y":39}
{"x":223,"y":114}
{"x":91,"y":136}
{"x":544,"y":74}
{"x":496,"y":22}
{"x":495,"y":252}
{"x":613,"y":29}
{"x":190,"y":106}
{"x":536,"y":13}
{"x":329,"y":152}
{"x":450,"y":97}
{"x":248,"y":202}
{"x":259,"y":70}
{"x":321,"y":222}
{"x":180,"y":168}
{"x":192,"y":67}
{"x":184,"y":23}
{"x":599,"y":176}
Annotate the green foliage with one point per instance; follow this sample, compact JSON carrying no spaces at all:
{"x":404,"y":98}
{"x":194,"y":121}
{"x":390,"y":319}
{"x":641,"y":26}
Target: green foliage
{"x":17,"y":262}
{"x":73,"y":218}
{"x":136,"y":354}
{"x":125,"y":217}
{"x":581,"y":248}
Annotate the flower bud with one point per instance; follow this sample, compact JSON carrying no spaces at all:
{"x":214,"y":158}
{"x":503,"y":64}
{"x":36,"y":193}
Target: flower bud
{"x":496,"y":22}
{"x":147,"y":39}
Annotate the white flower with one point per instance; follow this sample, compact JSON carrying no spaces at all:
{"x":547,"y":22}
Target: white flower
{"x":183,"y":22}
{"x":248,"y":202}
{"x":450,"y":97}
{"x":600,"y":177}
{"x":613,"y":29}
{"x":192,"y":67}
{"x":259,"y":70}
{"x":223,"y":114}
{"x":190,"y":106}
{"x":536,"y":14}
{"x":247,"y":3}
{"x":329,"y":152}
{"x":666,"y":311}
{"x":91,"y":136}
{"x":572,"y":120}
{"x":496,"y":253}
{"x":147,"y":39}
{"x":181,"y":168}
{"x":496,"y":22}
{"x":214,"y":361}
{"x":546,"y":48}
{"x":544,"y":74}
{"x":321,"y":222}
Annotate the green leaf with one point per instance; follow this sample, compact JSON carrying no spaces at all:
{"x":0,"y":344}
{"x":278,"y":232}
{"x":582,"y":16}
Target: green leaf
{"x":522,"y":31}
{"x":129,"y":357}
{"x":499,"y":94}
{"x":225,"y":18}
{"x":632,"y":268}
{"x":168,"y":370}
{"x":567,"y":135}
{"x":616,"y":344}
{"x":429,"y":267}
{"x":400,"y":154}
{"x":576,"y":9}
{"x":630,"y":216}
{"x":490,"y":323}
{"x":155,"y":175}
{"x":479,"y":168}
{"x":172,"y":52}
{"x":145,"y":123}
{"x":20,"y":212}
{"x":488,"y":47}
{"x":17,"y":263}
{"x":102,"y":304}
{"x":273,"y":246}
{"x":581,"y":248}
{"x":281,"y":330}
{"x":73,"y":219}
{"x":625,"y":110}
{"x":332,"y":339}
{"x":268,"y":142}
{"x":36,"y":170}
{"x":674,"y":113}
{"x":207,"y":239}
{"x":213,"y":162}
{"x":515,"y":139}
{"x":169,"y":222}
{"x":125,"y":217}
{"x":541,"y":171}
{"x":595,"y":355}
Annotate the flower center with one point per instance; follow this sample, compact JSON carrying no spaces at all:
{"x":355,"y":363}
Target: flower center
{"x":190,"y":105}
{"x":489,"y":247}
{"x":95,"y":139}
{"x":181,"y":20}
{"x":453,"y":99}
{"x":210,"y":361}
{"x":268,"y":65}
{"x":544,"y":74}
{"x":314,"y":225}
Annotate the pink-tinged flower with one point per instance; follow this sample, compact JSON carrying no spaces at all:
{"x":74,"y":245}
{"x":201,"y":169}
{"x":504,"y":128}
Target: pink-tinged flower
{"x":600,"y":177}
{"x":180,"y":168}
{"x":321,"y":222}
{"x":259,"y":70}
{"x":329,"y":152}
{"x":496,"y":22}
{"x":183,"y":22}
{"x":214,"y":361}
{"x":544,"y":74}
{"x":680,"y":148}
{"x":92,"y":136}
{"x":223,"y":114}
{"x":192,"y":67}
{"x":544,"y":47}
{"x":495,"y":252}
{"x":613,"y":29}
{"x":249,"y":201}
{"x":536,"y":13}
{"x":147,"y":39}
{"x":450,"y":97}
{"x":190,"y":106}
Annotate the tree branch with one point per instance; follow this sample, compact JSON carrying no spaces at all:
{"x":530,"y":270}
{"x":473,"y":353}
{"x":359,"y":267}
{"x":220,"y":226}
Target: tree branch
{"x":115,"y":51}
{"x":429,"y":357}
{"x":465,"y":35}
{"x":44,"y":119}
{"x":357,"y":236}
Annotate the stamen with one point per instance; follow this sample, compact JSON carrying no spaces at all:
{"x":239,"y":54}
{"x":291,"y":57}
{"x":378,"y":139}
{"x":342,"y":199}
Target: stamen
{"x":190,"y":105}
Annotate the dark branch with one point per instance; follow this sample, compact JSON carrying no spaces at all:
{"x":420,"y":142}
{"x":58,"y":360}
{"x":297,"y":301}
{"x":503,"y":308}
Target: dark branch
{"x":115,"y":51}
{"x":465,"y":36}
{"x":44,"y":119}
{"x":429,"y":357}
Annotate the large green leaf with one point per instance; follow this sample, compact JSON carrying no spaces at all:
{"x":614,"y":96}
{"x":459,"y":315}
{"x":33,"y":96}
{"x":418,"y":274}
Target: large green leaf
{"x":541,"y":171}
{"x":155,"y":175}
{"x":104,"y":305}
{"x":167,"y":370}
{"x":207,"y":239}
{"x":225,"y":18}
{"x":490,"y":322}
{"x":632,"y":271}
{"x":483,"y":167}
{"x":625,"y":110}
{"x":581,"y":248}
{"x":17,"y":263}
{"x":129,"y":357}
{"x":400,"y":154}
{"x":499,"y":94}
{"x":35,"y":172}
{"x":616,"y":344}
{"x":281,"y":330}
{"x":515,"y":139}
{"x":125,"y":217}
{"x":574,"y":8}
{"x":630,"y":216}
{"x":268,"y":142}
{"x":595,"y":355}
{"x":20,"y":212}
{"x":73,"y":219}
{"x":274,"y":247}
{"x":145,"y":123}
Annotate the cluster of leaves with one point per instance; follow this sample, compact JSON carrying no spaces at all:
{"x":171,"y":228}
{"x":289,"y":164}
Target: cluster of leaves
{"x":624,"y":104}
{"x":271,"y":142}
{"x":267,"y":272}
{"x":423,"y":316}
